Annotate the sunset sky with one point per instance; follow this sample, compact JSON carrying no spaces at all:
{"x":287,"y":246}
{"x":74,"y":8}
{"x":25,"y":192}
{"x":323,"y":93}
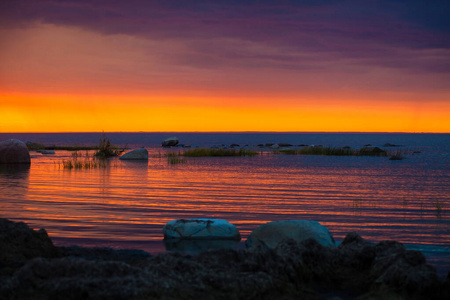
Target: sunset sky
{"x":378,"y":66}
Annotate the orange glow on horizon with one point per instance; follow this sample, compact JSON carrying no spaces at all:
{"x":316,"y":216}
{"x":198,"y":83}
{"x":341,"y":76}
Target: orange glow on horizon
{"x":94,"y":113}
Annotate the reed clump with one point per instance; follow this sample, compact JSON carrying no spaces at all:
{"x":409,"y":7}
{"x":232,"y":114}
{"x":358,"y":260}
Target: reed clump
{"x":201,"y":152}
{"x":106,"y":149}
{"x":334,"y":151}
{"x":87,"y":163}
{"x":172,"y":154}
{"x":316,"y":150}
{"x":439,"y":206}
{"x":176,"y":160}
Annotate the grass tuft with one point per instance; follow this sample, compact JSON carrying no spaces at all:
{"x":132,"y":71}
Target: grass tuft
{"x":439,"y":207}
{"x":201,"y":152}
{"x":335,"y":151}
{"x":176,"y":160}
{"x":86,"y":163}
{"x":106,"y":149}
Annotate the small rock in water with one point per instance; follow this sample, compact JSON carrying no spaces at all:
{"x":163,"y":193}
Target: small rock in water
{"x":170,"y":142}
{"x":396,"y":157}
{"x":391,"y":145}
{"x":138,"y":154}
{"x":284,"y":145}
{"x":46,"y":151}
{"x":372,"y":151}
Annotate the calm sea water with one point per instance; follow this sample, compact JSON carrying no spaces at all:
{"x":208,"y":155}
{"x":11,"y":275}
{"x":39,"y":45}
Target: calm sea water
{"x":126,"y":204}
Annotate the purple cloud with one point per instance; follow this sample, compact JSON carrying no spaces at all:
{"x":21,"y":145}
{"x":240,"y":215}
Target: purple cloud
{"x":299,"y":36}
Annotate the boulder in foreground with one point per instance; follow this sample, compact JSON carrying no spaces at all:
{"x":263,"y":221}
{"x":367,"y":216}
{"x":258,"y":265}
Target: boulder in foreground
{"x":356,"y":269}
{"x":137,"y":154}
{"x":14,"y":152}
{"x":19,"y":243}
{"x":201,"y":229}
{"x":273,"y":233}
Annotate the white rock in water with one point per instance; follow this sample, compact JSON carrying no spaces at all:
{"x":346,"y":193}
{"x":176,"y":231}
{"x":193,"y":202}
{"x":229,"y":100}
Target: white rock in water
{"x":200,"y":229}
{"x":138,"y":154}
{"x":272,"y":233}
{"x":14,"y":152}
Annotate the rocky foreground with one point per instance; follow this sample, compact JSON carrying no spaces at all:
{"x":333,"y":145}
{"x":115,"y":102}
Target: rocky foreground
{"x":31,"y":267}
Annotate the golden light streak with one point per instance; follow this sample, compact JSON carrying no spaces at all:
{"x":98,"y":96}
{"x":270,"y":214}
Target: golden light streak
{"x":88,"y":113}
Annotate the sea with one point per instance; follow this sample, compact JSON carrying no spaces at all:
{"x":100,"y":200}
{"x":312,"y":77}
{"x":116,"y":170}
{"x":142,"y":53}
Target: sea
{"x":125,"y":204}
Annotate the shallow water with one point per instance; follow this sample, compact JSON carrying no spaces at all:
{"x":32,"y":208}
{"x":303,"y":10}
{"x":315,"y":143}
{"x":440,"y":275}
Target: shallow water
{"x":126,"y":204}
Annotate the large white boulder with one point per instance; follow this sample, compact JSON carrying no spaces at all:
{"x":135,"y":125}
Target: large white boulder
{"x":272,"y":233}
{"x":137,"y":154}
{"x":169,"y":142}
{"x":201,"y":229}
{"x":14,"y":152}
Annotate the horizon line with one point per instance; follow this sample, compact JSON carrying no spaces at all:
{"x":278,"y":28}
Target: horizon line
{"x":228,"y":132}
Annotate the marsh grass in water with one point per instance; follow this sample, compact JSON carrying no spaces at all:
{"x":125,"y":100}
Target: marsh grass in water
{"x":176,"y":160}
{"x":79,"y":154}
{"x":86,"y":163}
{"x":397,"y":155}
{"x":316,"y":150}
{"x":202,"y":152}
{"x":439,"y":206}
{"x":172,"y":154}
{"x":106,"y":149}
{"x":335,"y":151}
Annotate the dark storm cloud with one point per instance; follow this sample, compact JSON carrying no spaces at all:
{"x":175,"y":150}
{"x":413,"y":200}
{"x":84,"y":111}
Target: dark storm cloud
{"x":385,"y":33}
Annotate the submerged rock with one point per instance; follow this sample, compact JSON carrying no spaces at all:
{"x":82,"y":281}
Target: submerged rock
{"x":14,"y":152}
{"x":372,"y":151}
{"x":284,"y":145}
{"x":396,"y":157}
{"x":203,"y":229}
{"x":273,"y":233}
{"x":391,"y":145}
{"x":137,"y":154}
{"x":46,"y":151}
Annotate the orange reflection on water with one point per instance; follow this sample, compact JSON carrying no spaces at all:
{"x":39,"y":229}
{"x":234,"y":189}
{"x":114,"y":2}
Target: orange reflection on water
{"x":131,"y":202}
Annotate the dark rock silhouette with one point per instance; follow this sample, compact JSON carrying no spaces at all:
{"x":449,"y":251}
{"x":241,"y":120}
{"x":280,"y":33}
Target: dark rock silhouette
{"x":284,"y":145}
{"x":19,"y":244}
{"x":356,"y":269}
{"x":170,"y":142}
{"x":372,"y":151}
{"x":391,"y":145}
{"x":14,"y":152}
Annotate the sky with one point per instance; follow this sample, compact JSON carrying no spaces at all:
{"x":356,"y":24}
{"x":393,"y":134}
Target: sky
{"x":335,"y":66}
